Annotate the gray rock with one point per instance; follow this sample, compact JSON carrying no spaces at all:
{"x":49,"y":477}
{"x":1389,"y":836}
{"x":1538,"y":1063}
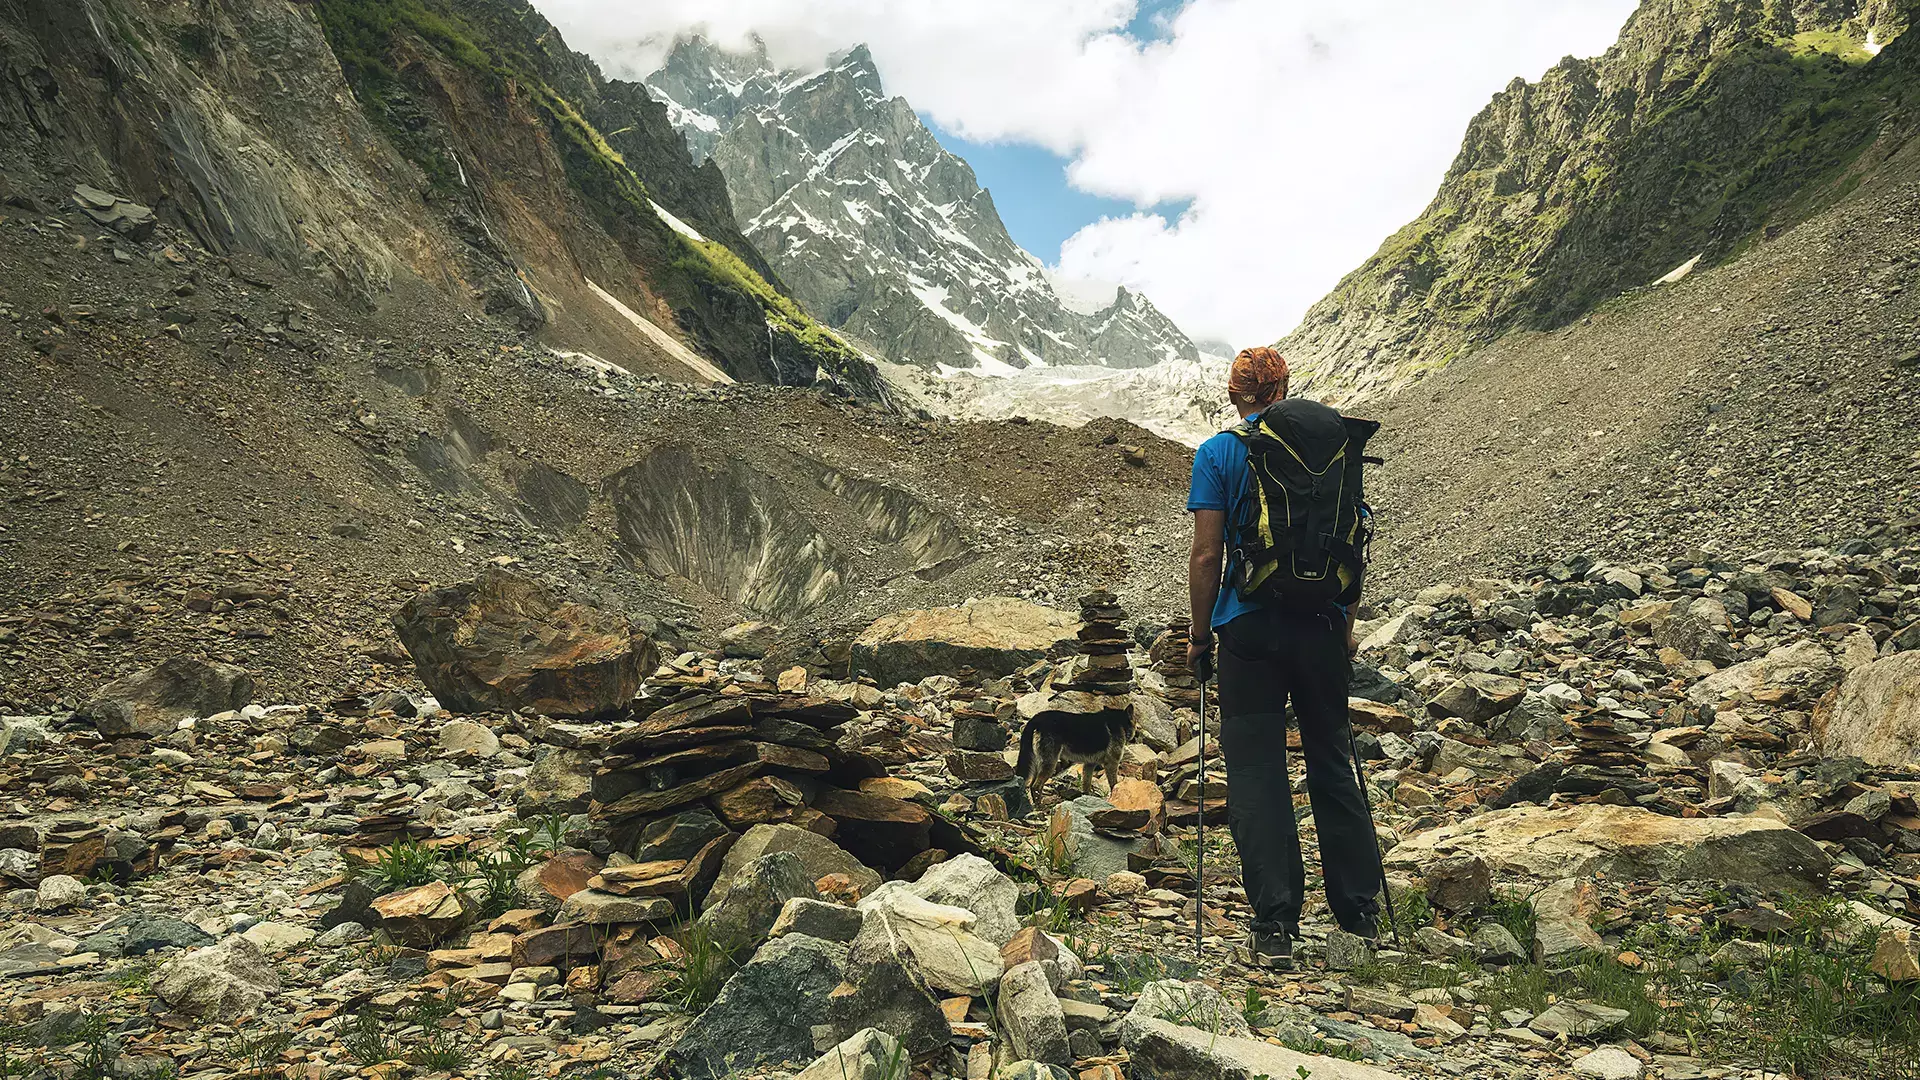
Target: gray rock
{"x":467,"y":737}
{"x":1495,"y":944}
{"x":817,"y":857}
{"x":220,"y":982}
{"x":1090,"y":854}
{"x":596,"y":908}
{"x":971,"y":882}
{"x":765,"y":1013}
{"x":678,"y":837}
{"x":1030,"y":1016}
{"x":1478,"y":697}
{"x":138,"y":935}
{"x":346,"y":933}
{"x":1578,"y":1020}
{"x":867,"y":1054}
{"x":153,"y":702}
{"x":18,"y":866}
{"x":1346,"y":952}
{"x":1190,"y":1004}
{"x":558,"y":783}
{"x":59,"y":892}
{"x":755,"y":896}
{"x":1163,"y":1051}
{"x":892,"y":968}
{"x":1031,"y":1070}
{"x":979,"y":733}
{"x":1436,"y":942}
{"x":1609,"y":1063}
{"x":22,"y":733}
{"x":817,"y":919}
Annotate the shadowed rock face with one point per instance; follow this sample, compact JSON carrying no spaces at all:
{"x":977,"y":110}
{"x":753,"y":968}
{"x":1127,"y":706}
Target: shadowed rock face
{"x":927,"y":536}
{"x":732,"y":531}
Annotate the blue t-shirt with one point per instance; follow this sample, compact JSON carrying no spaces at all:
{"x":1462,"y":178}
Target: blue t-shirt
{"x":1220,"y":480}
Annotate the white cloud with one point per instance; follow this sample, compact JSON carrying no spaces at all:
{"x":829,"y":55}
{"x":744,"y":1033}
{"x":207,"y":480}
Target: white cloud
{"x":1303,"y":131}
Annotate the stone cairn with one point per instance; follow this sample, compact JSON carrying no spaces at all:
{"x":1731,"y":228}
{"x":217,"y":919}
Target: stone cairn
{"x":1169,"y":660}
{"x":980,"y":735}
{"x":1602,"y":761}
{"x":1104,"y":667}
{"x":746,"y":759}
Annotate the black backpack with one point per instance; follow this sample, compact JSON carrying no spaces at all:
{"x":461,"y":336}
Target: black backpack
{"x":1301,"y":538}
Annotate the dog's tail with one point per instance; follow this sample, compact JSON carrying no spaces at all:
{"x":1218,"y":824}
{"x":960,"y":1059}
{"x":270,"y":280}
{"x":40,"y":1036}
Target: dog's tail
{"x":1024,"y":767}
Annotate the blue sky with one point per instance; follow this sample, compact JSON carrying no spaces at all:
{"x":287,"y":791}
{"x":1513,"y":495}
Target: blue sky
{"x":1030,"y":189}
{"x":1029,"y":184}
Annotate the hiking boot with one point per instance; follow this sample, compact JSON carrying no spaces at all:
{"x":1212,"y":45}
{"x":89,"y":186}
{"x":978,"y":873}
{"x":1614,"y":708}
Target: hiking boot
{"x":1366,"y":926}
{"x":1273,"y":950}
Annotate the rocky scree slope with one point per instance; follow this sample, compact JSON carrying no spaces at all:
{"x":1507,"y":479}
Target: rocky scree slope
{"x":880,"y":230}
{"x":1709,"y":122}
{"x":1770,"y":401}
{"x":1619,"y":800}
{"x":450,"y":146}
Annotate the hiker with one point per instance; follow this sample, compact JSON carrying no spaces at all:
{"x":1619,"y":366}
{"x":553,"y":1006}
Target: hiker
{"x":1273,"y":650}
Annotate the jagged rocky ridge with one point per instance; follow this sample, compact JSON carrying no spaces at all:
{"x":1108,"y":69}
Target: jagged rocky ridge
{"x":1708,"y":122}
{"x":880,"y":230}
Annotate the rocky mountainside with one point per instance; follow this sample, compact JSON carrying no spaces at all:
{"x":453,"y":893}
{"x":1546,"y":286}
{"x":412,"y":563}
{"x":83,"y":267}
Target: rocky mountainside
{"x":451,"y":147}
{"x":881,"y":231}
{"x":1710,"y":124}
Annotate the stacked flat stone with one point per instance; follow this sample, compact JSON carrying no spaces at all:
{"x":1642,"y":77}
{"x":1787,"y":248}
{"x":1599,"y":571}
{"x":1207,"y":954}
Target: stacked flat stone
{"x":1170,"y":663}
{"x":1602,"y":759}
{"x":1104,"y":643}
{"x":750,"y":759}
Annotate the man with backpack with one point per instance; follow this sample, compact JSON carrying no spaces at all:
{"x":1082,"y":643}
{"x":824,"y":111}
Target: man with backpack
{"x":1277,"y":505}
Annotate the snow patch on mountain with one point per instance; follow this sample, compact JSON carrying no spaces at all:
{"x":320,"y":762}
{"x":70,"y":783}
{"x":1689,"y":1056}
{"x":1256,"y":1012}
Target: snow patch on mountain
{"x":1182,"y":400}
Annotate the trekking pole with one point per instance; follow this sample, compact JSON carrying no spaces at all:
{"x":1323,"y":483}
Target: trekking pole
{"x":1200,"y":817}
{"x":1379,"y":857}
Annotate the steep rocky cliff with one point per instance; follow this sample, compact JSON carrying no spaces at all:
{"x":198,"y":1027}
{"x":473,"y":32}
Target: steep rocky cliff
{"x":879,"y":229}
{"x":1709,"y":123}
{"x":455,"y":146}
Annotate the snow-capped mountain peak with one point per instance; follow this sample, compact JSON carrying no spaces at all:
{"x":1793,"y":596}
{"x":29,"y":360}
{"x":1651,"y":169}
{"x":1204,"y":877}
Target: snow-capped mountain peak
{"x":879,"y":229}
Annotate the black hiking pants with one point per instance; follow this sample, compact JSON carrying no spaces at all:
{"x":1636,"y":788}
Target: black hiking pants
{"x":1266,"y":659}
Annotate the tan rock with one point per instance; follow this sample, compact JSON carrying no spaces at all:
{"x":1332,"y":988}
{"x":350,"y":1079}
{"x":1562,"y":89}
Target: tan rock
{"x":503,"y":642}
{"x":1896,"y":955}
{"x":995,"y":636}
{"x":1876,"y":714}
{"x":1793,"y":604}
{"x":423,"y":915}
{"x":1627,"y":843}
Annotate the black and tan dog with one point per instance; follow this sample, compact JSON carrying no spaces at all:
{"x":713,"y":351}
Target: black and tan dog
{"x":1052,"y":741}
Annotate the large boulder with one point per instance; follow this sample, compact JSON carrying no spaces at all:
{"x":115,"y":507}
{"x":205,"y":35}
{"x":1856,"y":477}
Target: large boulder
{"x":1876,"y":714}
{"x":995,"y":636}
{"x":1161,"y":1050}
{"x":503,"y":642}
{"x":1805,"y":665}
{"x":973,"y":883}
{"x":220,"y":982}
{"x":1626,"y":843}
{"x":818,"y":855}
{"x":766,"y":1013}
{"x":154,"y":701}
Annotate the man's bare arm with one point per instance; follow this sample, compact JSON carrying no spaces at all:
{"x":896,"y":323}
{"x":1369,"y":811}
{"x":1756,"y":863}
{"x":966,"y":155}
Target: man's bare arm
{"x":1203,"y":574}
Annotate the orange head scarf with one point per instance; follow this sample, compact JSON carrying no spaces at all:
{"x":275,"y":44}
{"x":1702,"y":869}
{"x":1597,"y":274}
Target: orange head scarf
{"x":1260,"y":373}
